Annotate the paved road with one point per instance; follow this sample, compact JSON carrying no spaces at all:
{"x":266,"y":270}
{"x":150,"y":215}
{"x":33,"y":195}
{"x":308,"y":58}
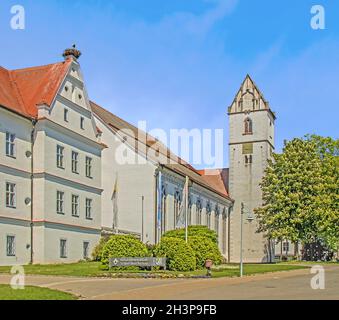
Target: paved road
{"x":274,"y":286}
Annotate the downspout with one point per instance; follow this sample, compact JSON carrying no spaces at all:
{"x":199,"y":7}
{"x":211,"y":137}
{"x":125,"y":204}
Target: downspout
{"x":32,"y":188}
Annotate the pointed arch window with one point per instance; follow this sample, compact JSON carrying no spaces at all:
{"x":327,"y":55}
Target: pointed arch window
{"x":216,"y":217}
{"x":177,"y":207}
{"x":198,"y":211}
{"x":248,"y":126}
{"x":208,"y":215}
{"x":163,"y":209}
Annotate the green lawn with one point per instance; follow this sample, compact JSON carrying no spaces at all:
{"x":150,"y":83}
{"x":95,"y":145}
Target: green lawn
{"x":92,"y":269}
{"x":33,"y":293}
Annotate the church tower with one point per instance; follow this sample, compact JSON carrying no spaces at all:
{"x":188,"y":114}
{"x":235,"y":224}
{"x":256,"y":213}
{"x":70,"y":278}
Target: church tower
{"x":251,"y":135}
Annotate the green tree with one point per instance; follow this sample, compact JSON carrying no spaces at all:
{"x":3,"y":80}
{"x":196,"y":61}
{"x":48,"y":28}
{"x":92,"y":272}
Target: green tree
{"x":300,"y":193}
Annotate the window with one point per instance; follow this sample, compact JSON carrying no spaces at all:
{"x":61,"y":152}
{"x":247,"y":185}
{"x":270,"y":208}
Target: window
{"x":88,"y":167}
{"x":189,"y":215}
{"x":65,"y":115}
{"x":86,"y":250}
{"x":82,"y":123}
{"x":60,"y":202}
{"x":177,"y":207}
{"x":10,"y":246}
{"x":208,"y":213}
{"x":286,"y":246}
{"x":10,"y":195}
{"x":63,"y":248}
{"x":163,"y":210}
{"x":75,"y":161}
{"x":199,"y":211}
{"x":216,"y":219}
{"x":248,"y":126}
{"x":60,"y":156}
{"x":10,"y":144}
{"x":75,"y":206}
{"x":89,"y":209}
{"x":248,"y":159}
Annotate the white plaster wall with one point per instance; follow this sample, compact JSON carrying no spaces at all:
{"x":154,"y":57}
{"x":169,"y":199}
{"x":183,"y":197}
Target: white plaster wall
{"x":21,"y":231}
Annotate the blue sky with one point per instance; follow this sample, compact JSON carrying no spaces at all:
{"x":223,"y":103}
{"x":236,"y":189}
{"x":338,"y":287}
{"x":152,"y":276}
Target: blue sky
{"x":179,"y":63}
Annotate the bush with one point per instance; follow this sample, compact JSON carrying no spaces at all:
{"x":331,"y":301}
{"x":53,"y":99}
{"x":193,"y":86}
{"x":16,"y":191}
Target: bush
{"x":200,"y":231}
{"x":180,"y":256}
{"x":97,"y":251}
{"x":204,"y":249}
{"x":122,"y":246}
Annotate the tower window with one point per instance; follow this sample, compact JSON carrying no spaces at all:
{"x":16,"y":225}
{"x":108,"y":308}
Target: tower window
{"x":248,"y":126}
{"x":249,"y":159}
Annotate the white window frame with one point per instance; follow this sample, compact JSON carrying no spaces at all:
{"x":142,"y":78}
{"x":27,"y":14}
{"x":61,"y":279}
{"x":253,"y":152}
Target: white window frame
{"x":60,"y":156}
{"x":85,"y":250}
{"x":89,"y":161}
{"x":75,"y":162}
{"x":63,"y":249}
{"x":89,"y":207}
{"x":10,"y":253}
{"x":10,"y":195}
{"x":60,"y":202}
{"x":10,"y":145}
{"x":75,"y":206}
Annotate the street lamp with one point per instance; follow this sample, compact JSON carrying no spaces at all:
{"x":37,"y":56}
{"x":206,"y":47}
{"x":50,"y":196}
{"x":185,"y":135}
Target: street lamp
{"x":249,"y":218}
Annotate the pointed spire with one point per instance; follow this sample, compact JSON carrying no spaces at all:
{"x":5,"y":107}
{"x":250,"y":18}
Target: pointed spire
{"x":249,"y":98}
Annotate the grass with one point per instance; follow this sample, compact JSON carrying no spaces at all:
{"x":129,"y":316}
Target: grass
{"x":92,"y":269}
{"x":33,"y":293}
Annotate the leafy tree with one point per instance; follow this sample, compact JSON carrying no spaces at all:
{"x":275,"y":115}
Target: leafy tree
{"x":300,"y":193}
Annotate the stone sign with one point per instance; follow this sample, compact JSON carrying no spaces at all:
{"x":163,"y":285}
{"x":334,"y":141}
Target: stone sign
{"x":137,"y":262}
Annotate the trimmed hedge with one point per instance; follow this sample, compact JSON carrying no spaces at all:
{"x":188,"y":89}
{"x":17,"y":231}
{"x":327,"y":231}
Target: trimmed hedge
{"x":97,"y":251}
{"x":199,"y":231}
{"x":180,"y":256}
{"x":122,"y":246}
{"x":204,"y":249}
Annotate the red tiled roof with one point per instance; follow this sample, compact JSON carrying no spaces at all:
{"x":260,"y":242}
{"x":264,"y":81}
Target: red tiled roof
{"x":217,"y":178}
{"x":23,"y":89}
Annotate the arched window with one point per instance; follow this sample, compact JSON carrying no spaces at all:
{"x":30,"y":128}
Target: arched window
{"x":216,"y":217}
{"x":163,"y":210}
{"x":189,"y":215}
{"x":248,"y":126}
{"x":198,"y":211}
{"x":177,"y":206}
{"x":208,"y":215}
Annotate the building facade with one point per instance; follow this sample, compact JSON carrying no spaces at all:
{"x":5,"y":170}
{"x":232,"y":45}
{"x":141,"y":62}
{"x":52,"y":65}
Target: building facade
{"x":50,"y":166}
{"x":251,"y":144}
{"x":71,"y":172}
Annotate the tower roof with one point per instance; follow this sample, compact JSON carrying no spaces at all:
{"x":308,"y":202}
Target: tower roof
{"x":249,"y":98}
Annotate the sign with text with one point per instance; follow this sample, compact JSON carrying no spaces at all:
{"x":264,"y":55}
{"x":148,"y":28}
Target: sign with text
{"x":137,"y":262}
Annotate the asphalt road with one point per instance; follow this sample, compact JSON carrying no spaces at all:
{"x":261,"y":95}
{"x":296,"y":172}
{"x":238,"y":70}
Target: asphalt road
{"x":293,"y":285}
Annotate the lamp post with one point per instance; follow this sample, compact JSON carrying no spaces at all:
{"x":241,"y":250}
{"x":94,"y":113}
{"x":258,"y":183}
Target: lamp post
{"x":249,"y":219}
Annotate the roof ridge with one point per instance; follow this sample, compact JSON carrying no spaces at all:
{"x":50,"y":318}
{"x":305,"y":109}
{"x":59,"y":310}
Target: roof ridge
{"x":38,"y":67}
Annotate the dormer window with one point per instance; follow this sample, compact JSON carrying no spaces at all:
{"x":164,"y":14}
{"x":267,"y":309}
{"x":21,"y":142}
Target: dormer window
{"x":248,"y":126}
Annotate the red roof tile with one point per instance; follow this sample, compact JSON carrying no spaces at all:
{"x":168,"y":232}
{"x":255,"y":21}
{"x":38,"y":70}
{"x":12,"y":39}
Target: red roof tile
{"x":22,"y":90}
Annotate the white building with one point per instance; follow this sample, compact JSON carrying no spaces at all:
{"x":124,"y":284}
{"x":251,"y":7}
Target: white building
{"x":63,"y":184}
{"x":50,"y":166}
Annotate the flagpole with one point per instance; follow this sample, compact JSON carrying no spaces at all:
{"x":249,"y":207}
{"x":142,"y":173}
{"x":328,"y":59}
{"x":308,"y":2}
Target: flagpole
{"x":186,"y":209}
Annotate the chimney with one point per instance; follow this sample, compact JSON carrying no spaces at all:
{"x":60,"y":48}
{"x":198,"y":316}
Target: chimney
{"x":72,"y":53}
